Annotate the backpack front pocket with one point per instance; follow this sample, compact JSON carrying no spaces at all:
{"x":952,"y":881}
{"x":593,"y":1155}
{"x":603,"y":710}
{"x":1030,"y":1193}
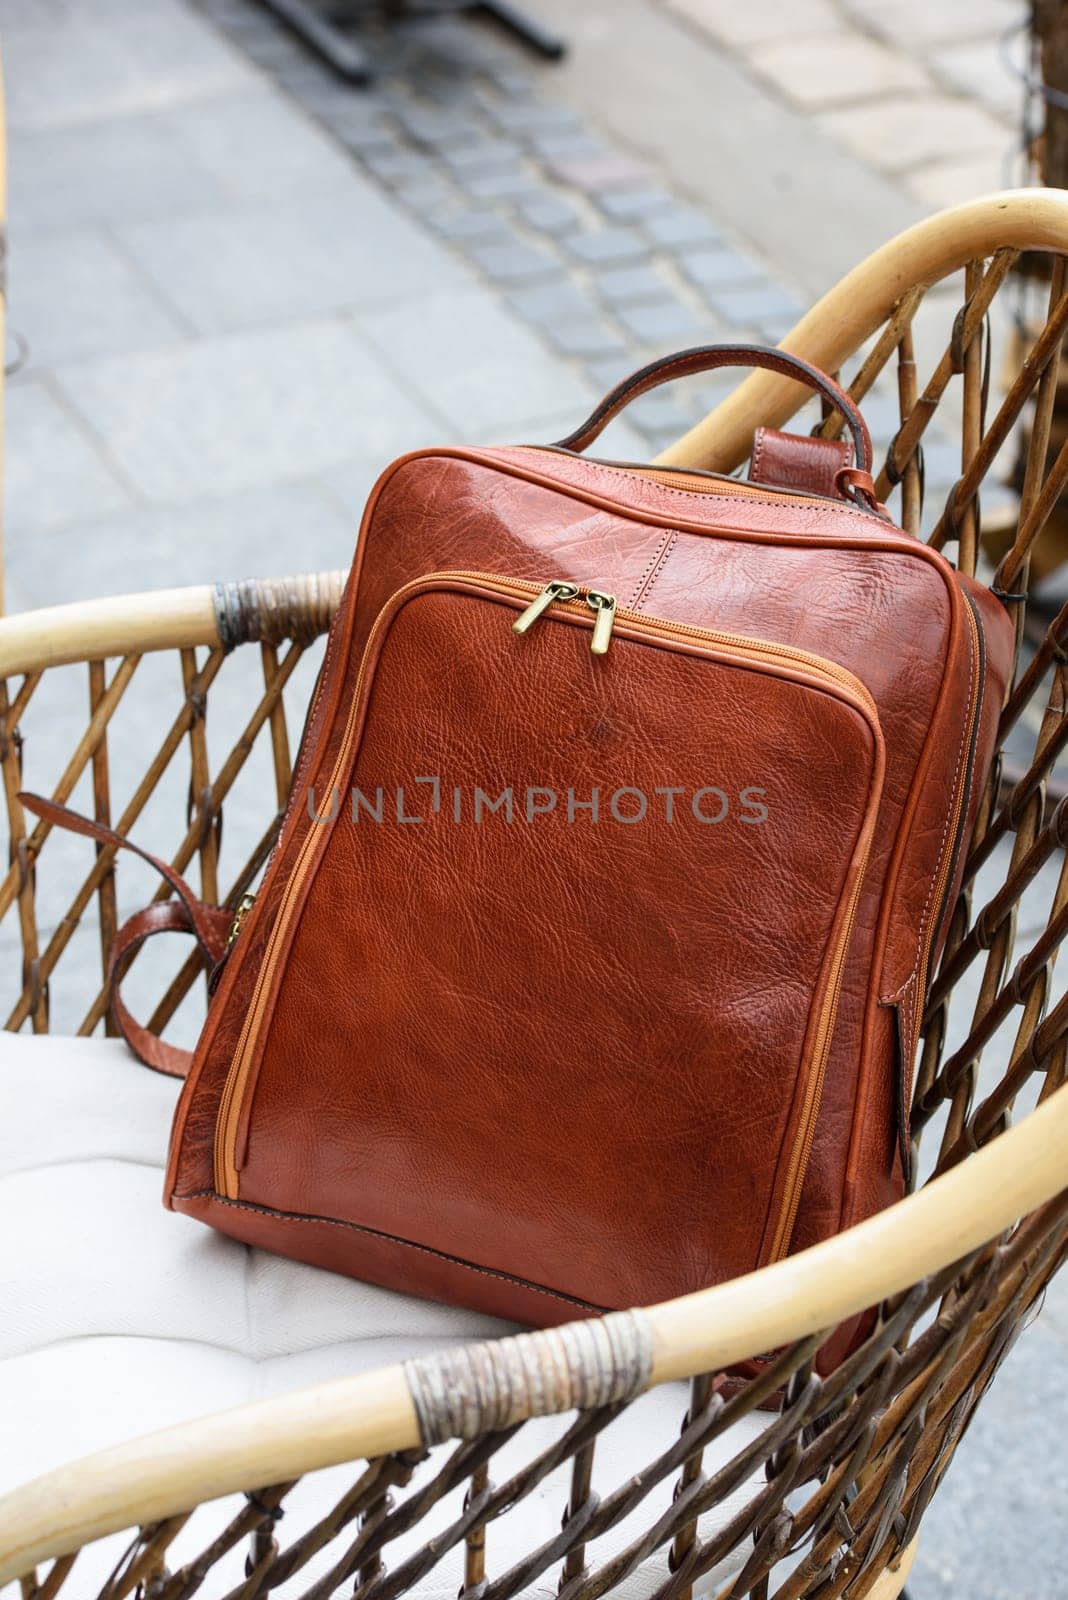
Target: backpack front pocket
{"x":581,"y":919}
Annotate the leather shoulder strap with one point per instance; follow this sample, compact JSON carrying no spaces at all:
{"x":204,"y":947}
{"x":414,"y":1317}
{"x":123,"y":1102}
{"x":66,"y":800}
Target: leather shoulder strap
{"x":707,"y":358}
{"x":209,"y":925}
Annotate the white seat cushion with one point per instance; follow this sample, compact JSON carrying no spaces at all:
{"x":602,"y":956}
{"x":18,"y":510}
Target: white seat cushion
{"x":119,"y":1317}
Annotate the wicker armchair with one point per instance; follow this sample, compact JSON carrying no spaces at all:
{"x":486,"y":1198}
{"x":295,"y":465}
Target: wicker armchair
{"x":422,"y":1466}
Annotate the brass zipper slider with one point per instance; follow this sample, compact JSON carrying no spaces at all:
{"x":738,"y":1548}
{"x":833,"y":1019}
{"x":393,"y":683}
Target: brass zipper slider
{"x":551,"y":593}
{"x":604,"y":608}
{"x":244,"y":906}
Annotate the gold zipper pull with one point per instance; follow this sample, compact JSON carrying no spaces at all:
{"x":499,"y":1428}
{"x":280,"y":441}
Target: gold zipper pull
{"x":604,"y":608}
{"x":551,"y":592}
{"x":244,"y":906}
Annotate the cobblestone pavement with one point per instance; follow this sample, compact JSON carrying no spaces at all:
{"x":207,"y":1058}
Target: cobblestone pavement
{"x":595,"y":249}
{"x":242,"y":288}
{"x":585,"y":244}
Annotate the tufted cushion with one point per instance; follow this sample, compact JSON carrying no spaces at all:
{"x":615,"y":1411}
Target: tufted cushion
{"x":119,"y":1317}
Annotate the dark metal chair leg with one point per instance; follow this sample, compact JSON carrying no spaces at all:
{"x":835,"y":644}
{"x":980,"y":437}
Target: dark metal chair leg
{"x":339,"y":51}
{"x":526,"y":28}
{"x":351,"y":62}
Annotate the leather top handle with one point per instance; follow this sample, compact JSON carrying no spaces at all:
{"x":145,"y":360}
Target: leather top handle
{"x":706,"y":358}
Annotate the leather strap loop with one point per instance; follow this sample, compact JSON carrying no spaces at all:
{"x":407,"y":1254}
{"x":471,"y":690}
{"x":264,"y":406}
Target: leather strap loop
{"x":862,"y":485}
{"x":209,"y":925}
{"x":706,"y":358}
{"x":798,"y":461}
{"x":165,"y":916}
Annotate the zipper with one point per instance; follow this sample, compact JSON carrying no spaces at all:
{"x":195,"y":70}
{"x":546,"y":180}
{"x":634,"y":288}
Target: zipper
{"x":955,"y":834}
{"x":578,"y":594}
{"x":244,"y":906}
{"x":557,"y":590}
{"x":726,"y":485}
{"x":967,"y":770}
{"x":231,"y":1129}
{"x":698,"y":481}
{"x":810,"y":1109}
{"x":602,"y":605}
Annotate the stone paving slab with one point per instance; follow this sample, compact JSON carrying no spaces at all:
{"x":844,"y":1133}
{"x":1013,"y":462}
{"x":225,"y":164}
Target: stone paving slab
{"x":464,"y":356}
{"x":54,"y":472}
{"x":993,"y":1532}
{"x":269,"y":261}
{"x":607,"y":276}
{"x":670,"y":90}
{"x":79,"y":295}
{"x":118,"y":170}
{"x":199,"y":418}
{"x":898,"y":136}
{"x":64,"y":67}
{"x":253,"y":146}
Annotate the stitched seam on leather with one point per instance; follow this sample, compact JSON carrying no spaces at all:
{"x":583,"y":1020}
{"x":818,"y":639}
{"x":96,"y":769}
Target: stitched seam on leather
{"x":844,"y":452}
{"x":632,"y":603}
{"x":909,"y":988}
{"x":497,"y":461}
{"x":652,"y":574}
{"x":654,"y":580}
{"x":618,"y":475}
{"x":390,"y":1238}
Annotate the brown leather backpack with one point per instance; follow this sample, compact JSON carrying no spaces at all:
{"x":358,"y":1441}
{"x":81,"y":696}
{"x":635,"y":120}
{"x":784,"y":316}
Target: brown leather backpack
{"x":589,"y":965}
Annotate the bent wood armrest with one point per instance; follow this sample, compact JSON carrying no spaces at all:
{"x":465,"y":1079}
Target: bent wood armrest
{"x":228,"y":614}
{"x":273,"y":1441}
{"x":857,"y":306}
{"x":89,"y":630}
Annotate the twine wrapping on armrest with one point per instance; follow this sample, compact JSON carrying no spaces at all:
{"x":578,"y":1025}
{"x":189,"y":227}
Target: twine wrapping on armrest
{"x":271,"y":610}
{"x":480,"y":1388}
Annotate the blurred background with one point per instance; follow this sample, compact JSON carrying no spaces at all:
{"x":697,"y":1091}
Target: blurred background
{"x":259,"y":249}
{"x":240,"y":282}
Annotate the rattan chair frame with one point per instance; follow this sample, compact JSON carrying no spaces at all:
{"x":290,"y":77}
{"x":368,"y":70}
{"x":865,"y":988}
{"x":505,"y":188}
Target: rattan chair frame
{"x":848,"y":1461}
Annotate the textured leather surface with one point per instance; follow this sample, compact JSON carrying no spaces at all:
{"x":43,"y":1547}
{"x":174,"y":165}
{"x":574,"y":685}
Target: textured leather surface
{"x":120,"y":1319}
{"x":798,"y":461}
{"x":471,"y":1034}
